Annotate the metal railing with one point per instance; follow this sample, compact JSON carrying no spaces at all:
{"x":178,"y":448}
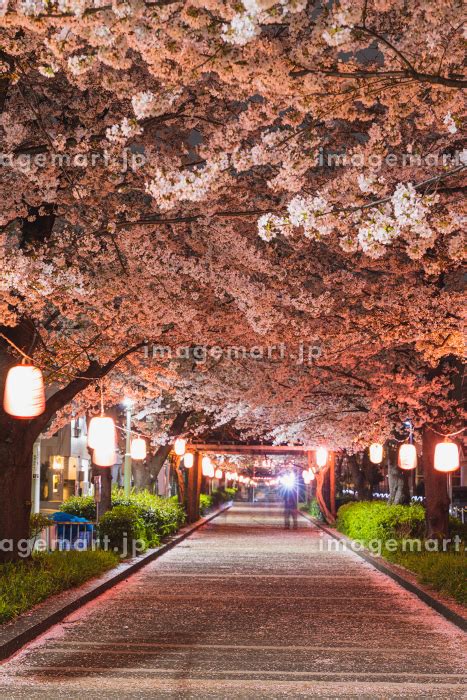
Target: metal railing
{"x":64,"y":536}
{"x":459,"y":512}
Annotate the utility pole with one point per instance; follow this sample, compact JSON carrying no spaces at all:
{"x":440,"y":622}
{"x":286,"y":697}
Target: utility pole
{"x":127,"y":462}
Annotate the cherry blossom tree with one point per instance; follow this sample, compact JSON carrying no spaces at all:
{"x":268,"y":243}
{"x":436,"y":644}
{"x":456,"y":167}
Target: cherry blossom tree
{"x":232,"y":175}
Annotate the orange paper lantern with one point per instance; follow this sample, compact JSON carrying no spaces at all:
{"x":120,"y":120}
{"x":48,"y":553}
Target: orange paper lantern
{"x":24,"y":395}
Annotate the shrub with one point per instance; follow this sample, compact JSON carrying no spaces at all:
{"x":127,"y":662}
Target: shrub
{"x":162,"y":516}
{"x":443,"y":571}
{"x":205,"y":503}
{"x":314,"y":510}
{"x":37,"y":522}
{"x":456,"y":527}
{"x":24,"y":584}
{"x":370,"y":520}
{"x":220,"y":496}
{"x":123,"y":522}
{"x":82,"y":506}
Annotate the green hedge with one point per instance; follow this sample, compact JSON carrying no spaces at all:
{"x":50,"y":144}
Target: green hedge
{"x":205,"y":503}
{"x":313,"y":509}
{"x":444,"y":571}
{"x":123,"y":526}
{"x":161,"y":516}
{"x":220,"y":496}
{"x":376,"y":520}
{"x":82,"y":506}
{"x":26,"y":583}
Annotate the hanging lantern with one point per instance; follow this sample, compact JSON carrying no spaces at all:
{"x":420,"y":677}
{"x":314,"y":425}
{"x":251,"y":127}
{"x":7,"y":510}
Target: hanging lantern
{"x":101,"y":434}
{"x":188,"y":460}
{"x":306,"y":476}
{"x":218,"y":474}
{"x":103,"y":457}
{"x":376,"y":453}
{"x":138,"y":448}
{"x":207,"y":467}
{"x":407,"y":456}
{"x":24,"y":395}
{"x":180,"y":447}
{"x":321,"y":456}
{"x":446,"y":457}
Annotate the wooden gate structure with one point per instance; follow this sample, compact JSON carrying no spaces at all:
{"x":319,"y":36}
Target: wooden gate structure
{"x":324,"y":476}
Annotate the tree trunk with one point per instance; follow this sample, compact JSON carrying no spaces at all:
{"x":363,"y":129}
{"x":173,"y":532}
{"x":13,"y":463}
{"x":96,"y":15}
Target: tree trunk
{"x":181,"y":482}
{"x":15,"y":493}
{"x":141,"y":475}
{"x":436,"y":490}
{"x":17,"y":437}
{"x":163,"y":451}
{"x":399,"y":491}
{"x":359,"y":479}
{"x":193,"y":490}
{"x":105,"y":474}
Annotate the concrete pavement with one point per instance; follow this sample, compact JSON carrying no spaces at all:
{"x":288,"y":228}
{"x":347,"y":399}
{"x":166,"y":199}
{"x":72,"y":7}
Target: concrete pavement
{"x":245,"y":609}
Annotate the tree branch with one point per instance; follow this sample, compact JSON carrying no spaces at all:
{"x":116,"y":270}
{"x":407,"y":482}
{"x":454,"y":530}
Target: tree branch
{"x":68,"y":392}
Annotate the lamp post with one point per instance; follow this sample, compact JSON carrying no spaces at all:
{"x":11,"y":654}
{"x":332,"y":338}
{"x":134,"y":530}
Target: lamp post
{"x":36,"y":477}
{"x":127,"y":463}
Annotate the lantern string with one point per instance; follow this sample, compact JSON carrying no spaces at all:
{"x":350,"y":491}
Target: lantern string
{"x":133,"y":432}
{"x":26,"y":357}
{"x":101,"y":386}
{"x":458,"y":432}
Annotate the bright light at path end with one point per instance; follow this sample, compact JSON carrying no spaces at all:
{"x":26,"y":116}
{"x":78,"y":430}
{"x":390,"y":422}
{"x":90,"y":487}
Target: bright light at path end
{"x":288,"y":480}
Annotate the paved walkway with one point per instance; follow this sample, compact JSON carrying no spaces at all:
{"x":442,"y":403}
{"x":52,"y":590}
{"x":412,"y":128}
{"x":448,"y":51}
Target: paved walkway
{"x":244,"y":609}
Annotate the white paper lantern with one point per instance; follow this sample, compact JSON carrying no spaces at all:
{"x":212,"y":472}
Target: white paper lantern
{"x":188,"y":460}
{"x":407,"y":456}
{"x":207,"y":467}
{"x":321,"y":456}
{"x":180,"y":447}
{"x":103,"y":458}
{"x":446,"y":457}
{"x":376,"y":453}
{"x":306,"y":476}
{"x":24,"y":395}
{"x":138,"y":448}
{"x":101,"y":434}
{"x":218,"y":474}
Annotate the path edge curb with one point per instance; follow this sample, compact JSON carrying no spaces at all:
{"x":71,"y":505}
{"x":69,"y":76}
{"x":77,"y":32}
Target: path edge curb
{"x":441,"y":608}
{"x":16,"y":642}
